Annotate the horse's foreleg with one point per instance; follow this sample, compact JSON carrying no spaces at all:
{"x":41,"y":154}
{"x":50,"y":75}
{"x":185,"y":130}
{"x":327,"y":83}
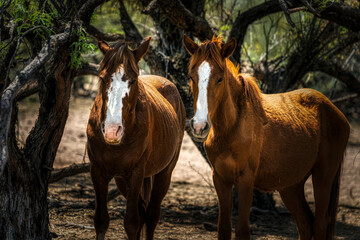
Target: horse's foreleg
{"x":132,"y":218}
{"x":101,"y":219}
{"x":244,"y":187}
{"x":224,"y":193}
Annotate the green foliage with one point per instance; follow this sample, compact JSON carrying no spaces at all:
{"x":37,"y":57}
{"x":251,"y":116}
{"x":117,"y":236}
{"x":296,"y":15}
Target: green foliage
{"x":29,"y":15}
{"x":82,"y":46}
{"x":321,"y":4}
{"x":224,"y":29}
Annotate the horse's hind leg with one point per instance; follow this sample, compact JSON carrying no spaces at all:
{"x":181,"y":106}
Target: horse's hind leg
{"x":294,"y":200}
{"x":101,"y":219}
{"x":326,"y":174}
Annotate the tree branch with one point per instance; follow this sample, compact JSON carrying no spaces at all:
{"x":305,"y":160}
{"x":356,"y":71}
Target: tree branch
{"x":133,"y":34}
{"x":104,"y":36}
{"x":345,"y":98}
{"x":339,"y":13}
{"x":69,"y":171}
{"x":88,"y":69}
{"x":87,"y":10}
{"x":343,"y":15}
{"x":181,"y":17}
{"x":12,"y":90}
{"x":246,"y":18}
{"x":338,"y":72}
{"x":31,"y":87}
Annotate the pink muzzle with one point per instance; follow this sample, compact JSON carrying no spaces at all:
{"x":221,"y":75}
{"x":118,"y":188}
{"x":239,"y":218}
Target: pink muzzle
{"x":113,"y":133}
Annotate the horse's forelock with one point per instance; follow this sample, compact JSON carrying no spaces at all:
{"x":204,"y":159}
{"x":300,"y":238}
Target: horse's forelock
{"x":119,"y":55}
{"x":210,"y":51}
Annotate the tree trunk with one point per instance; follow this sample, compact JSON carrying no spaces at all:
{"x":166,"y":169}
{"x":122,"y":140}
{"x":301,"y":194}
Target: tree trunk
{"x":24,"y":184}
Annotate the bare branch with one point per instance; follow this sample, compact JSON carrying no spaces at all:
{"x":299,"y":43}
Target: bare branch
{"x":87,"y":9}
{"x":339,"y":13}
{"x":246,"y":18}
{"x":338,"y":72}
{"x":133,"y":34}
{"x":343,"y":15}
{"x":286,"y":11}
{"x":345,"y":98}
{"x":309,"y":7}
{"x":105,"y":36}
{"x":88,"y":69}
{"x":181,"y":17}
{"x":69,"y":171}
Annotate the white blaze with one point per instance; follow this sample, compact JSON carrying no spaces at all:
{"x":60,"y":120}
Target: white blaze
{"x":204,"y":71}
{"x":116,"y":94}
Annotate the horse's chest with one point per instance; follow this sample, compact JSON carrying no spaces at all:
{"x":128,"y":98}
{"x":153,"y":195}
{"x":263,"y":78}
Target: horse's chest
{"x":228,"y":164}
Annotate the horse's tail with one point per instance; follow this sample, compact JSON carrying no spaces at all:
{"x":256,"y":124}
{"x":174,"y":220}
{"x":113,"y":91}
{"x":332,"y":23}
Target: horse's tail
{"x":333,"y":204}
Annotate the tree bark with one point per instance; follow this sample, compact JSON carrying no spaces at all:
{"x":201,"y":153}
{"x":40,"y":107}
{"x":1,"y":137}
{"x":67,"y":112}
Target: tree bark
{"x":25,"y":172}
{"x":23,"y":189}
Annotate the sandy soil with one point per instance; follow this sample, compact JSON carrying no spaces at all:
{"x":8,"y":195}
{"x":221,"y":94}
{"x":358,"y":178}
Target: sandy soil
{"x":189,"y":211}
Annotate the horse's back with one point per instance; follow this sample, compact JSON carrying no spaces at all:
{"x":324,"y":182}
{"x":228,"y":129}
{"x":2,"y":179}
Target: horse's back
{"x":304,"y":109}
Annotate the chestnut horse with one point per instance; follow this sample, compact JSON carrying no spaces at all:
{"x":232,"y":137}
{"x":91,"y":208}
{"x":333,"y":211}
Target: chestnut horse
{"x":135,"y":131}
{"x":265,"y":141}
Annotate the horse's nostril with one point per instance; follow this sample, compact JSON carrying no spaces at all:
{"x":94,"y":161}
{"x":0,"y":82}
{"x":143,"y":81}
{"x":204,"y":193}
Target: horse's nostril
{"x":118,"y":130}
{"x":206,"y":126}
{"x":192,"y":123}
{"x":102,"y":127}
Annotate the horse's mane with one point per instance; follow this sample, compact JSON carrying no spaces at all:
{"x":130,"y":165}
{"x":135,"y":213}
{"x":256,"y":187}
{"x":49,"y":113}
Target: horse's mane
{"x":120,"y":54}
{"x":211,"y":50}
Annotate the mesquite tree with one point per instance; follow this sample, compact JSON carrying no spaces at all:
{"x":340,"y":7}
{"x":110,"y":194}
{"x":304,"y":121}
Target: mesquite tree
{"x":42,"y":34}
{"x":40,"y":47}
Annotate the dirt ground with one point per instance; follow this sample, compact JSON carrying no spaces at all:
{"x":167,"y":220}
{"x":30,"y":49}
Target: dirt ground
{"x":189,"y":211}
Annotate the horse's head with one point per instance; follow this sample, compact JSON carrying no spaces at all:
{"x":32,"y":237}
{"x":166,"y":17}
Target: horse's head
{"x":118,"y":89}
{"x":208,"y":74}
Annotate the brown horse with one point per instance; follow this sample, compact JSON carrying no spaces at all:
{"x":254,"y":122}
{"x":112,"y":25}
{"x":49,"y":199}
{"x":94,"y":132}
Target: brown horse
{"x":267,"y":141}
{"x":135,"y":132}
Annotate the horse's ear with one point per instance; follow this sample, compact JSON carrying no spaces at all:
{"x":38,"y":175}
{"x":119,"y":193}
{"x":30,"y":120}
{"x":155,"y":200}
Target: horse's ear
{"x":142,"y":49}
{"x":228,"y":48}
{"x":103,"y":46}
{"x":189,"y":44}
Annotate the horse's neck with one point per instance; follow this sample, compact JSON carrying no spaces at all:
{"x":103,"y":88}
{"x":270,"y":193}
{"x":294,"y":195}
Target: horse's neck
{"x":233,"y":107}
{"x":226,"y":113}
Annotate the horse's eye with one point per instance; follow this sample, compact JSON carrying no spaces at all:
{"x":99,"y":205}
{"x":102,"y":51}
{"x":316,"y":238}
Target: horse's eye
{"x":191,"y":79}
{"x":132,"y":82}
{"x":219,"y":80}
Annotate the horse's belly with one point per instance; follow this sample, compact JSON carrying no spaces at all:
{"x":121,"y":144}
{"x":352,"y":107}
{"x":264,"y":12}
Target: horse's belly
{"x":285,"y":166}
{"x":162,"y":154}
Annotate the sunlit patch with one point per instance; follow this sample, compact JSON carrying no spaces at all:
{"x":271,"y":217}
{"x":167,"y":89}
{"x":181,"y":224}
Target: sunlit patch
{"x":204,"y":71}
{"x":116,"y":94}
